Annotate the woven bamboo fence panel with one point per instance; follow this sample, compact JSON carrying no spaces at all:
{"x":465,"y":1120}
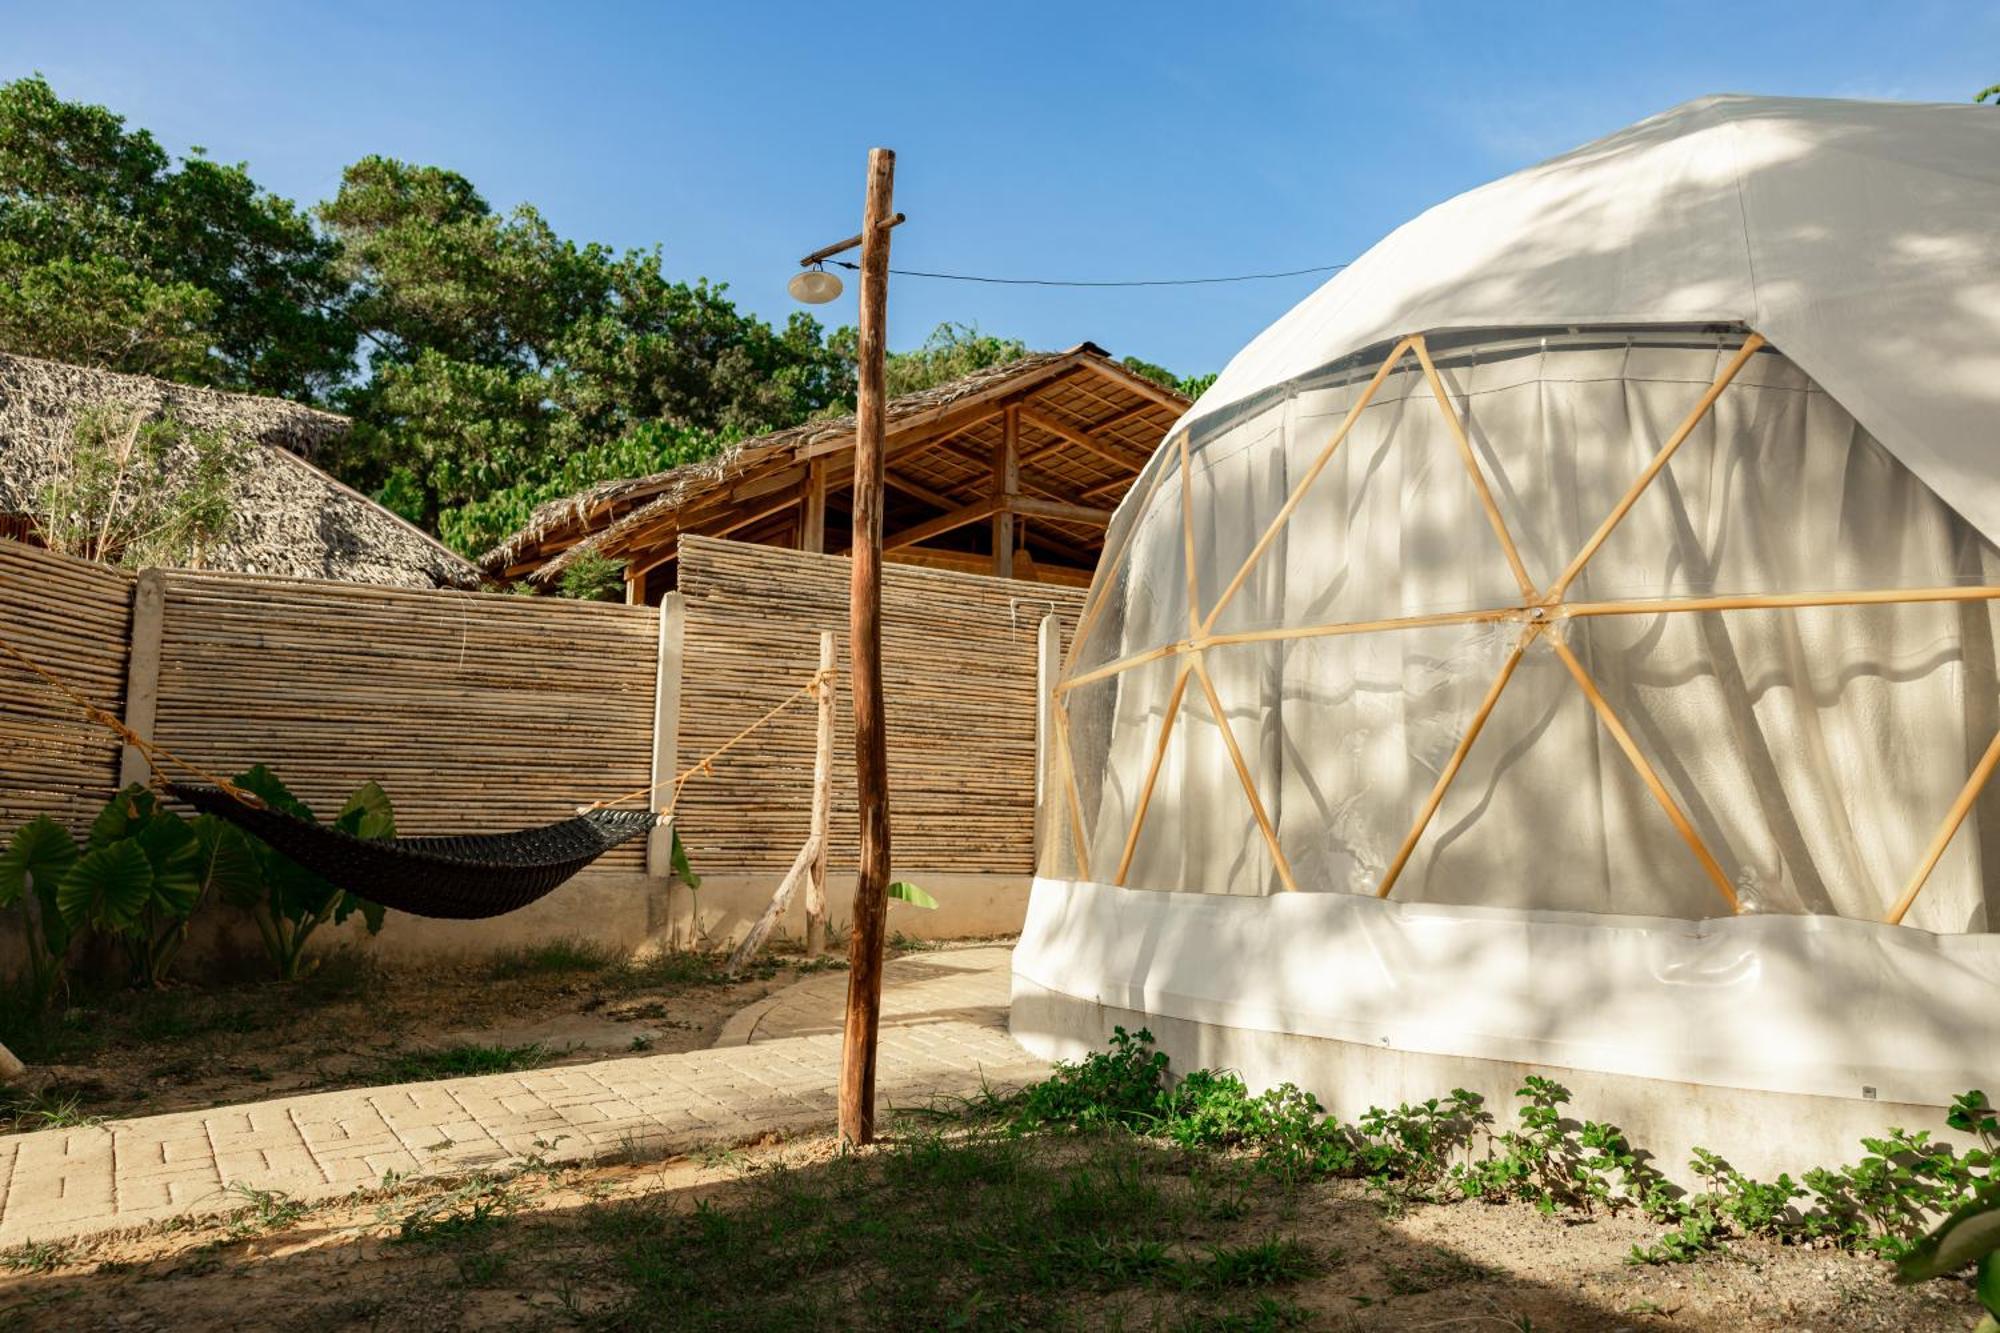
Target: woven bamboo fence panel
{"x":958,"y":670}
{"x":71,"y":618}
{"x":476,"y":712}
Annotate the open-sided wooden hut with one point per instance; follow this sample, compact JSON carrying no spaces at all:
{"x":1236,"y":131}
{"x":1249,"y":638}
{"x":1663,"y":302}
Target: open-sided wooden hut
{"x":1013,"y":470}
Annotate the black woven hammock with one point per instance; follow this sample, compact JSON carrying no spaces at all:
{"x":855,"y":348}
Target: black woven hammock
{"x":462,"y":877}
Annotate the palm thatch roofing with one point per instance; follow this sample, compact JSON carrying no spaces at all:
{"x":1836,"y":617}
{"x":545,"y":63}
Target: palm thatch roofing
{"x":1081,"y":427}
{"x":287,"y":517}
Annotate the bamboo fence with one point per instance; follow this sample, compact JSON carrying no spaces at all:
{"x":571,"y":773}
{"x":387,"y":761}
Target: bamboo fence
{"x":476,"y":712}
{"x":72,"y":617}
{"x":959,"y":662}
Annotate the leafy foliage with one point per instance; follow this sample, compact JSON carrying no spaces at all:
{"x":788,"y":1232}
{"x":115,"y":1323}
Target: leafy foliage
{"x":1969,"y":1236}
{"x":113,"y":255}
{"x":489,"y":363}
{"x":287,"y":901}
{"x":1880,"y":1204}
{"x":140,"y":490}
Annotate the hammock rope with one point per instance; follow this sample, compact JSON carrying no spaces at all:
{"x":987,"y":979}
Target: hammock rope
{"x":458,"y":876}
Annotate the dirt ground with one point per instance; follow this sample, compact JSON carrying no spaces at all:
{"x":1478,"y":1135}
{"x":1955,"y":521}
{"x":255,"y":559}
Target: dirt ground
{"x":566,"y":1248}
{"x":354,"y":1023}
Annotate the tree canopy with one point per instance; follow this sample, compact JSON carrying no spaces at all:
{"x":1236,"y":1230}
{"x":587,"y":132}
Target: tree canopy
{"x":488,"y":363}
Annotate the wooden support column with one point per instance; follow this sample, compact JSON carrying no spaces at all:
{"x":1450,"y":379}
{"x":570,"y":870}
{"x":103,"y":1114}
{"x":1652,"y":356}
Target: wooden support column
{"x":635,"y":585}
{"x":822,"y":802}
{"x":812,"y":522}
{"x":142,"y":672}
{"x":666,"y":728}
{"x":1006,"y":486}
{"x":864,"y":645}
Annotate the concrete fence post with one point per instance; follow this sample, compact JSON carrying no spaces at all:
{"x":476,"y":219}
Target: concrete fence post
{"x":142,"y":671}
{"x":666,"y":727}
{"x":1048,"y":667}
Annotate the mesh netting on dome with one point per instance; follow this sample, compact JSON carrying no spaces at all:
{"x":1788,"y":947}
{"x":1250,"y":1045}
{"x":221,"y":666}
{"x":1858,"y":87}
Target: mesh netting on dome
{"x":1624,"y":621}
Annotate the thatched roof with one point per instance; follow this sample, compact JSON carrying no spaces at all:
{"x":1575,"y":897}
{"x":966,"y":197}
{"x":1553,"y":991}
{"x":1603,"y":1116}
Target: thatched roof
{"x":287,"y":517}
{"x":598,"y":518}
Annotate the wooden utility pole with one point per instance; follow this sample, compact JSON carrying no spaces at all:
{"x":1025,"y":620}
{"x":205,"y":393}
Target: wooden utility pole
{"x":871,"y":751}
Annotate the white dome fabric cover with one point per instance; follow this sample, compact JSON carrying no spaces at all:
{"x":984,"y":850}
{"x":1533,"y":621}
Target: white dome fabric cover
{"x":1861,"y":238}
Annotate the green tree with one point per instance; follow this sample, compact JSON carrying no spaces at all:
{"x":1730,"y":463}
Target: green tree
{"x":113,"y":255}
{"x":1989,"y":95}
{"x":950,"y":352}
{"x":507,"y":360}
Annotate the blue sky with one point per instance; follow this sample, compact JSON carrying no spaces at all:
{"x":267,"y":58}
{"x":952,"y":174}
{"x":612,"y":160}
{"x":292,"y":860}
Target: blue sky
{"x":1066,"y":141}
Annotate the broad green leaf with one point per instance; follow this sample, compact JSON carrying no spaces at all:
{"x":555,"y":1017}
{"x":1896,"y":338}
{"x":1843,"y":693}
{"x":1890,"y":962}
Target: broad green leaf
{"x":372,"y":914}
{"x":905,"y":892}
{"x":37,"y":857}
{"x":367,"y":814}
{"x":263,"y":783}
{"x":122,"y":815}
{"x":683,"y":869}
{"x":108,"y":888}
{"x":171,"y":847}
{"x":1969,"y":1235}
{"x":1988,"y":1286}
{"x":226,"y":864}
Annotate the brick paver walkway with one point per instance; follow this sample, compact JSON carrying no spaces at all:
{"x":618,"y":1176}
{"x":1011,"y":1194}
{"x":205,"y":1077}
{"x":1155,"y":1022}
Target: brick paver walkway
{"x":775,"y":1069}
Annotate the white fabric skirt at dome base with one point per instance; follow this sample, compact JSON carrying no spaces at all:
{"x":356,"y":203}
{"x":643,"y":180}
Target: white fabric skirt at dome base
{"x":1811,"y":1005}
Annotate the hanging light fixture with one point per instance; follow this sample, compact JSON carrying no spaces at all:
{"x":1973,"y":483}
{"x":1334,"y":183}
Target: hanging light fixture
{"x":814,"y":286}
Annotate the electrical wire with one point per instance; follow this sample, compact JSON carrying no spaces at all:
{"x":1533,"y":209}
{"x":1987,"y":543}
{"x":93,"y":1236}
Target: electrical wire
{"x":1058,"y":282}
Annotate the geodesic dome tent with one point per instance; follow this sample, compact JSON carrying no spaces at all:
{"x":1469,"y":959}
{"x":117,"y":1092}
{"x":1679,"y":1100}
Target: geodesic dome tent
{"x":1569,"y":636}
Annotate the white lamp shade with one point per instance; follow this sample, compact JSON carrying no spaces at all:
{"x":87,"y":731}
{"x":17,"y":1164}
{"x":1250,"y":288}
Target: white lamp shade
{"x":814,"y":286}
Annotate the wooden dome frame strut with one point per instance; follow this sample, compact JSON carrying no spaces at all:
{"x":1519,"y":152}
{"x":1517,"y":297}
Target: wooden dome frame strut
{"x":1538,"y":611}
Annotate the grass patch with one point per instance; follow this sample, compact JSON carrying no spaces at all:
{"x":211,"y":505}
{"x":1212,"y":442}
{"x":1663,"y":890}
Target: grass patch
{"x":973,"y":1229}
{"x":462,"y":1059}
{"x":35,"y":1256}
{"x":565,"y":956}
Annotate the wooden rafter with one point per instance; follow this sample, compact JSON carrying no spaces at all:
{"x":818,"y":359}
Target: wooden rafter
{"x":1173,"y":712}
{"x":1319,"y":463}
{"x":1961,"y":806}
{"x":1284,"y":867}
{"x":1455,"y":762}
{"x":1472,"y":468}
{"x":1654,"y":468}
{"x":1682,"y":824}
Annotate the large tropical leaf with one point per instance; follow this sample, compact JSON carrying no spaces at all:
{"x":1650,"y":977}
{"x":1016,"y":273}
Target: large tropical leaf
{"x":225,"y":863}
{"x":170,"y":846}
{"x":262,"y":783}
{"x":683,"y":869}
{"x":37,"y":857}
{"x":903,"y":891}
{"x":108,"y":888}
{"x":1967,"y":1235}
{"x":122,"y":816}
{"x":367,"y":814}
{"x":372,"y":914}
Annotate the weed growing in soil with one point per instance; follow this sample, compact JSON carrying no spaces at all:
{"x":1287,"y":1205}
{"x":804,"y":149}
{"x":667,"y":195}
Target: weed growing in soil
{"x":463,"y":1058}
{"x":570,"y":954}
{"x":35,"y":1256}
{"x":1433,"y":1151}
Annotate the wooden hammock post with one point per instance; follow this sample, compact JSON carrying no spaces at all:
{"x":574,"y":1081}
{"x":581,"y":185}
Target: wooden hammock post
{"x":822,"y":801}
{"x":871,"y":751}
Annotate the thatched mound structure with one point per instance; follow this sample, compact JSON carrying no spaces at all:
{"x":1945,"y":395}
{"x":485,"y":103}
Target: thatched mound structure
{"x":287,"y":517}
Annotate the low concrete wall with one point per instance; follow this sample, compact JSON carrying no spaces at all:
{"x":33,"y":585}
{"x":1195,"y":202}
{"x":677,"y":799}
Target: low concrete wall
{"x":1759,"y":1133}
